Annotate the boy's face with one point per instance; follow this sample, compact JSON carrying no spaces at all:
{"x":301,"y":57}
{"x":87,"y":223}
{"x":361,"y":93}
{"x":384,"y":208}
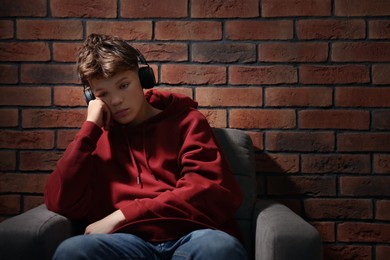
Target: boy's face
{"x":123,"y":94}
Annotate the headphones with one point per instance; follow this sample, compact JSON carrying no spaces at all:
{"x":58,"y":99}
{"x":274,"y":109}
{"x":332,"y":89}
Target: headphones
{"x":145,"y":74}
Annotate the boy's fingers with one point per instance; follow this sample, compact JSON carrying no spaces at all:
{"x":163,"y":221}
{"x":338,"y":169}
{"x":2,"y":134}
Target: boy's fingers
{"x":107,"y":121}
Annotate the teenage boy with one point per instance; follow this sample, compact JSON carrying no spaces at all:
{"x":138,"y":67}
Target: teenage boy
{"x":144,"y":172}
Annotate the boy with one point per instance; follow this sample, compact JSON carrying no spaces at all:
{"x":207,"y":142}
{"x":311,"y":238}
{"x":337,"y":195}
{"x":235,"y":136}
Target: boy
{"x":144,"y":172}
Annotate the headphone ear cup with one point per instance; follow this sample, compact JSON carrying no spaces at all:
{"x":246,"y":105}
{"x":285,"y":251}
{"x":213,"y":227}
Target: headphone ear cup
{"x":146,"y":77}
{"x":88,"y":95}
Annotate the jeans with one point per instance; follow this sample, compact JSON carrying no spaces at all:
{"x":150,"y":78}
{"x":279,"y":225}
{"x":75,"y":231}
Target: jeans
{"x":200,"y":244}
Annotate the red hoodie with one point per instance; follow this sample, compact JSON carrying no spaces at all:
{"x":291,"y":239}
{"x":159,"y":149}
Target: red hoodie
{"x":167,"y":175}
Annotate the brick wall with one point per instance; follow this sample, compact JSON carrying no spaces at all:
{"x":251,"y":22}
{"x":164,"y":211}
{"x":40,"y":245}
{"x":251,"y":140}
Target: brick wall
{"x":307,"y":79}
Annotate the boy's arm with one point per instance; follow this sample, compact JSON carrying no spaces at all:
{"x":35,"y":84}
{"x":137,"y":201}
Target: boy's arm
{"x":67,"y":191}
{"x":67,"y":188}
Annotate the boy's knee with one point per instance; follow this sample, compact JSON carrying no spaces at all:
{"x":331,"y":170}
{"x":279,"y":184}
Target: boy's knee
{"x":75,"y":248}
{"x":212,"y":244}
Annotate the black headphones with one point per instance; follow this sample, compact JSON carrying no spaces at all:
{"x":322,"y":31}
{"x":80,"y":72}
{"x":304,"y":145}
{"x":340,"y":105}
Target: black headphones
{"x":145,"y":74}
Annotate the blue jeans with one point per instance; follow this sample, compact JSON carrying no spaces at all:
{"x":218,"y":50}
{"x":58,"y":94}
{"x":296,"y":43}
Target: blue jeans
{"x":199,"y":244}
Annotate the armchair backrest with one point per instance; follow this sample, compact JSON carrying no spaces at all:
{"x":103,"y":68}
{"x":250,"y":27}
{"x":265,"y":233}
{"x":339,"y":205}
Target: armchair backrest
{"x":238,"y":148}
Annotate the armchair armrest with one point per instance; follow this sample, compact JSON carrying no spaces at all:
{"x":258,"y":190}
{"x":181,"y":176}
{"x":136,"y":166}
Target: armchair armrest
{"x":281,"y":234}
{"x":34,"y":234}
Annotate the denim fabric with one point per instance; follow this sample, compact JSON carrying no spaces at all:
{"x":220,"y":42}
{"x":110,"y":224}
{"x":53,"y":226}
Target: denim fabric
{"x":200,"y":244}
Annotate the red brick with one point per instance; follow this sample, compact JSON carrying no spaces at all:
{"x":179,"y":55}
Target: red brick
{"x":257,"y":139}
{"x":364,"y":232}
{"x":154,"y":8}
{"x":216,"y":118}
{"x":8,"y":74}
{"x":187,"y":91}
{"x":24,"y":51}
{"x":347,"y":252}
{"x":300,"y":141}
{"x":381,"y":120}
{"x":277,"y":74}
{"x":33,"y":118}
{"x":7,"y":161}
{"x":264,"y":118}
{"x":218,"y":96}
{"x":224,"y":52}
{"x":277,"y":163}
{"x":310,"y":186}
{"x":224,"y":9}
{"x":361,"y":51}
{"x":342,"y":74}
{"x":25,"y":96}
{"x":362,"y":97}
{"x":331,"y":29}
{"x":49,"y":30}
{"x":338,"y":208}
{"x":380,"y":74}
{"x":30,"y":202}
{"x":49,"y":73}
{"x":69,"y":96}
{"x":293,"y":52}
{"x":379,"y":29}
{"x":35,"y":8}
{"x":163,"y":51}
{"x":38,"y":161}
{"x":302,"y":96}
{"x":335,"y":163}
{"x":275,"y":8}
{"x":381,"y":163}
{"x":326,"y":230}
{"x":367,"y":142}
{"x":9,"y":118}
{"x":29,"y":183}
{"x":26,"y":139}
{"x":65,"y":52}
{"x":337,"y":119}
{"x":9,"y":204}
{"x":362,"y":186}
{"x":193,"y":74}
{"x":132,"y":30}
{"x":361,"y":7}
{"x":65,"y":137}
{"x":259,"y":30}
{"x":382,"y":252}
{"x":84,"y":8}
{"x":188,"y":30}
{"x":382,"y":210}
{"x":6,"y":29}
{"x":293,"y":204}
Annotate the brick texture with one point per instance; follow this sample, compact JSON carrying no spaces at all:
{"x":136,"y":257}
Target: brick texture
{"x":84,"y":8}
{"x":308,"y":80}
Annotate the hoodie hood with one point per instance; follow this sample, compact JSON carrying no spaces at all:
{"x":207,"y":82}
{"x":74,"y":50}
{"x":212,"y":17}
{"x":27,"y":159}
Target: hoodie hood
{"x":169,"y":103}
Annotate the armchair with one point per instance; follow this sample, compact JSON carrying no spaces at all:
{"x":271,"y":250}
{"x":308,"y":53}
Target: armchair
{"x":270,"y":229}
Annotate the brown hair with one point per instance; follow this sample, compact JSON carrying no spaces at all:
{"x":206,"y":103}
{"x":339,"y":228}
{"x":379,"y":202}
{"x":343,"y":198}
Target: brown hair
{"x":102,"y":56}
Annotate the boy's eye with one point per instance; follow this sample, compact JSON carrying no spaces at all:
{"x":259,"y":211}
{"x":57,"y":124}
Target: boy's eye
{"x":123,"y":86}
{"x":101,"y":94}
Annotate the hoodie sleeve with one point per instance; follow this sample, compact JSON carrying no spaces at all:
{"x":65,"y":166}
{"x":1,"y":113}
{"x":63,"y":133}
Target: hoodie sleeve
{"x":67,"y":191}
{"x":207,"y":191}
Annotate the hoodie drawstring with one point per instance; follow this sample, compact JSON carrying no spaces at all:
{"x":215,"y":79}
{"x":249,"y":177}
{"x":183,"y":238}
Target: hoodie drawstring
{"x":139,"y":180}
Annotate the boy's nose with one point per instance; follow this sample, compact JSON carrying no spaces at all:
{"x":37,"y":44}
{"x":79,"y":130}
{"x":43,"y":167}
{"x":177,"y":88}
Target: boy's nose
{"x":116,"y":100}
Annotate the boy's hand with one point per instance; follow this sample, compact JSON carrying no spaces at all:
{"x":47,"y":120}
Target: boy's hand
{"x":107,"y":224}
{"x":99,"y":113}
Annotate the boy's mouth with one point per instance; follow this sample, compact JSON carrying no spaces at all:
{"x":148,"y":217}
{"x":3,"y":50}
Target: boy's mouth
{"x":121,"y":113}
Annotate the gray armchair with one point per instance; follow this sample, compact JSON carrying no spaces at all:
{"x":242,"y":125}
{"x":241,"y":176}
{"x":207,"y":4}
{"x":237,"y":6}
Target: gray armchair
{"x":270,"y":230}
